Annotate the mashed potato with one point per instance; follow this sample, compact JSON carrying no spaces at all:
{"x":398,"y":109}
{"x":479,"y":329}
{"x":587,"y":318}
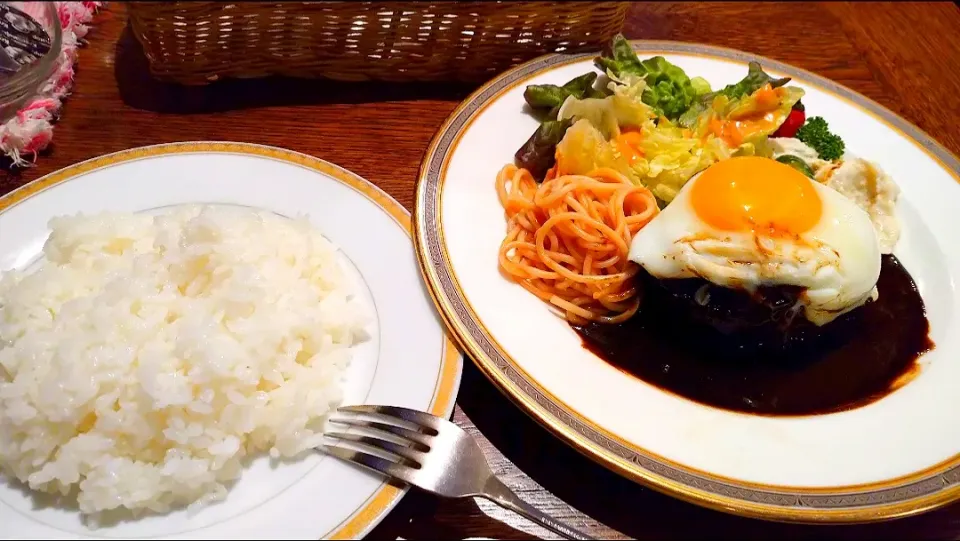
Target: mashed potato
{"x":149,"y":355}
{"x":859,"y":180}
{"x":872,"y":190}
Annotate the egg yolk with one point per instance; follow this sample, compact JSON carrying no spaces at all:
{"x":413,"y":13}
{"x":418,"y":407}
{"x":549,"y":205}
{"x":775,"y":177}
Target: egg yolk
{"x":750,"y":193}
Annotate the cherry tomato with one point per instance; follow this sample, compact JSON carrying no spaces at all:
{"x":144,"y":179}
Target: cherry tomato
{"x":790,"y":126}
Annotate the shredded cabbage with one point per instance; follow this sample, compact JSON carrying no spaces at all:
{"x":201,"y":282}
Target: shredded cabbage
{"x":670,"y":155}
{"x":666,"y":155}
{"x":621,"y":109}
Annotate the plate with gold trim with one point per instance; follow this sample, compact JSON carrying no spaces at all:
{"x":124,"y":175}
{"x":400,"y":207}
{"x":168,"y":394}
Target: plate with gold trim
{"x":891,"y":457}
{"x":407,"y":361}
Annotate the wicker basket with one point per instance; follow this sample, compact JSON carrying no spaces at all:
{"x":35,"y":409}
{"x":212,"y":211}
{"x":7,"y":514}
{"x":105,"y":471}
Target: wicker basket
{"x":200,"y":42}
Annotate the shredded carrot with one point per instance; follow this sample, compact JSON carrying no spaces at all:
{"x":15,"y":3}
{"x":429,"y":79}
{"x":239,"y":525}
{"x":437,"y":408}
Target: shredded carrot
{"x":766,"y":97}
{"x":628,"y":143}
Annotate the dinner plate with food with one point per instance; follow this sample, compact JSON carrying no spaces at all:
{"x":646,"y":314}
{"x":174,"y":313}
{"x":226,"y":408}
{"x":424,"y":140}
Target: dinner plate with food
{"x":719,"y":275}
{"x":176,"y":324}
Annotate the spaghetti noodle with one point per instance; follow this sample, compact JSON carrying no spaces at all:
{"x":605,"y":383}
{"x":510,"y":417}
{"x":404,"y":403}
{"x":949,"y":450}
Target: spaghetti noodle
{"x":568,"y":239}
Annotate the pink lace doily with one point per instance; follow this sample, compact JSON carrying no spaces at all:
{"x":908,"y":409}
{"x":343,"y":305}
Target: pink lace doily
{"x":31,"y":129}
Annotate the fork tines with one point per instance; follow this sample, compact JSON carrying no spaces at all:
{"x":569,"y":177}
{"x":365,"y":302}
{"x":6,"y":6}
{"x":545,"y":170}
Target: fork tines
{"x":388,"y":439}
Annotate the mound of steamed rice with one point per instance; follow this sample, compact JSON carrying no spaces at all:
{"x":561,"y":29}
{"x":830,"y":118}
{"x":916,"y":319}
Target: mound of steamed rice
{"x":149,"y":355}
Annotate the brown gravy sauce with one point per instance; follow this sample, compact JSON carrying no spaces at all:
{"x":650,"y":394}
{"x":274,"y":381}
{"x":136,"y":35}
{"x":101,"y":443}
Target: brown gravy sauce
{"x":874,"y":356}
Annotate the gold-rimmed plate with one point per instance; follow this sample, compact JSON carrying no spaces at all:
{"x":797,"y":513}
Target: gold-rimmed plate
{"x":894,"y":457}
{"x":407,"y":362}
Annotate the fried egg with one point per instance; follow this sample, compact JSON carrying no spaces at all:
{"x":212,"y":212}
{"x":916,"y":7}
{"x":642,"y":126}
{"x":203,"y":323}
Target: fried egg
{"x":748,"y":222}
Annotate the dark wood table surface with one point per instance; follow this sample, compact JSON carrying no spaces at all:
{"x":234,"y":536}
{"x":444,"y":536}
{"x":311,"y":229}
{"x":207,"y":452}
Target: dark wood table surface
{"x":904,"y":55}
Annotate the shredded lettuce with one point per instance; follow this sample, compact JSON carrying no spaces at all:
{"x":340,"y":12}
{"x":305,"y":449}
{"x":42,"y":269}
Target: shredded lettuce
{"x":669,"y":90}
{"x":755,"y":79}
{"x":748,"y":118}
{"x":700,"y":85}
{"x":548,"y":97}
{"x":681,"y":125}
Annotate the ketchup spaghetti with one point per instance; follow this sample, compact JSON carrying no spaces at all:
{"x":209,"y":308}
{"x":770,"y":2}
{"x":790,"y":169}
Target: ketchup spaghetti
{"x":568,"y":239}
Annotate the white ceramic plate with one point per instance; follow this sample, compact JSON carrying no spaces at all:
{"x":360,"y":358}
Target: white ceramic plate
{"x":894,"y":457}
{"x":408,"y":363}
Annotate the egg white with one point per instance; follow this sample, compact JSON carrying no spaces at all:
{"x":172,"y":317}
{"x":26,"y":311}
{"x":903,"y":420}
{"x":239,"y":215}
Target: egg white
{"x":837,"y":261}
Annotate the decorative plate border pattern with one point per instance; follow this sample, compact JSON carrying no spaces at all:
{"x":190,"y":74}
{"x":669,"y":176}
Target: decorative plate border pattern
{"x":913,"y":494}
{"x":376,"y":507}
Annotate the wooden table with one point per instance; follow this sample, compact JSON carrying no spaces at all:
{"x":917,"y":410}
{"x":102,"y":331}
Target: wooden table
{"x":906,"y":56}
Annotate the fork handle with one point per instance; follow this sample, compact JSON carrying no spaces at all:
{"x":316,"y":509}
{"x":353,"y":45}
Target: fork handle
{"x":498,"y":493}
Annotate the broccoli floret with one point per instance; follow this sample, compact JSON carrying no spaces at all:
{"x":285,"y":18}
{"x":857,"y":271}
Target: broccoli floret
{"x":816,"y":133}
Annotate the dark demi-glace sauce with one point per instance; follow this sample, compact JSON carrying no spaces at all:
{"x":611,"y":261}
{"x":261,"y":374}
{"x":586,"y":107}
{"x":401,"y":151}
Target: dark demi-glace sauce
{"x":877,"y":351}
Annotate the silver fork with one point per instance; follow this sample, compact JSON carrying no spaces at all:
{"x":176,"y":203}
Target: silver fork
{"x":430,"y":453}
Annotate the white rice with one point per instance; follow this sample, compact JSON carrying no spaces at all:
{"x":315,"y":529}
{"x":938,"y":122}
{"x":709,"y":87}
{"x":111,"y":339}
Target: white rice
{"x":149,"y":355}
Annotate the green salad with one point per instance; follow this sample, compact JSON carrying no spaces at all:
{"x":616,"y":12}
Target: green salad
{"x":652,"y":122}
